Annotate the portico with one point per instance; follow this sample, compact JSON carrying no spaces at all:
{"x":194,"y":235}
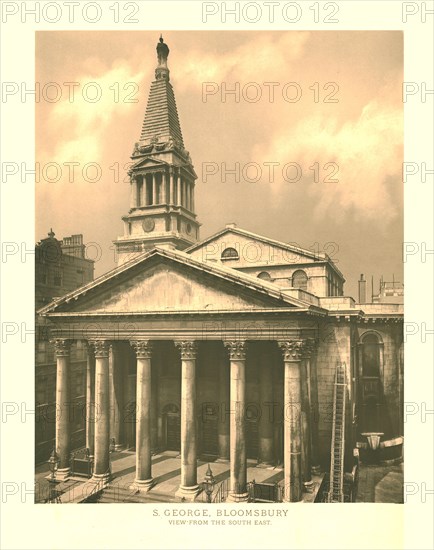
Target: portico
{"x":232,"y":416}
{"x":205,"y":382}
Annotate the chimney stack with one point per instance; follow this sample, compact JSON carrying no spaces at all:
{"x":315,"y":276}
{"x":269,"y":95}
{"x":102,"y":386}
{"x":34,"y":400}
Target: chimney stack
{"x":362,"y":289}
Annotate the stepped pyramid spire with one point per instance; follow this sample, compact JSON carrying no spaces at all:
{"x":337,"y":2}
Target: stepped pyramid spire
{"x":161,"y":118}
{"x":162,"y":176}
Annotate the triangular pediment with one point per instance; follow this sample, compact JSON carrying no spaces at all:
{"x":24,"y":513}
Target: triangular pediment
{"x":251,"y":249}
{"x":148,"y":162}
{"x":170,"y":281}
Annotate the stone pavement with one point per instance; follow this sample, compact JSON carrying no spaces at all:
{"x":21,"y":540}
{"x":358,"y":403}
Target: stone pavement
{"x":166,"y":470}
{"x":381,"y":483}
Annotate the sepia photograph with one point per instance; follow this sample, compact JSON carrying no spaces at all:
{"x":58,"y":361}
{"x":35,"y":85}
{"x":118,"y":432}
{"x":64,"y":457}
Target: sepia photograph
{"x":216,"y":274}
{"x":213,"y":322}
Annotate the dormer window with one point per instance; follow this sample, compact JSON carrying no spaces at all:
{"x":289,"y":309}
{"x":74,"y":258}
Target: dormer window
{"x":264,"y":275}
{"x":230,"y":254}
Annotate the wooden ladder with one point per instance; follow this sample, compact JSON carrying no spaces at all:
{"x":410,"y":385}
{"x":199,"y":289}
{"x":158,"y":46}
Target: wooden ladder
{"x":336,"y":489}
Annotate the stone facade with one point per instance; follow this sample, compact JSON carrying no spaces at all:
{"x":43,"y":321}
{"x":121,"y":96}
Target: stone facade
{"x":222,"y":348}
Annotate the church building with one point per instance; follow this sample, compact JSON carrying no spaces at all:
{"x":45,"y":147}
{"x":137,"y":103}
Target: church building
{"x":226,"y":348}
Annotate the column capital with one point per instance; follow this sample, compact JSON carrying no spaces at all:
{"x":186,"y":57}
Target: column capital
{"x":188,"y":349}
{"x":237,"y":349}
{"x":62,"y":347}
{"x":292,"y":350}
{"x":143,"y":348}
{"x":309,"y":347}
{"x":101,"y":347}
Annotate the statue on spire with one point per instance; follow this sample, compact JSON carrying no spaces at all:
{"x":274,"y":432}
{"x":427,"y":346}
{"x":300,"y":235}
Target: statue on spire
{"x":162,"y":53}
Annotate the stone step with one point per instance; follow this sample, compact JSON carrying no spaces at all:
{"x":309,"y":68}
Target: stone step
{"x":124,"y":494}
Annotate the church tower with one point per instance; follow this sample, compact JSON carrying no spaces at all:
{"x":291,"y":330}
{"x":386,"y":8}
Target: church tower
{"x":162,"y":177}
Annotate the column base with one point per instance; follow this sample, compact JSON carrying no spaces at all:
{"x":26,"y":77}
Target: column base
{"x":316,"y":470}
{"x":265,"y":464}
{"x":222,"y":460}
{"x":237,"y":497}
{"x":62,"y":474}
{"x":308,"y":486}
{"x":187,"y":493}
{"x":101,"y":478}
{"x":142,"y":485}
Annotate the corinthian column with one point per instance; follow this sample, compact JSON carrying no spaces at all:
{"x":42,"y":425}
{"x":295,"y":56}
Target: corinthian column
{"x":134,"y":184}
{"x":102,"y":411}
{"x":312,"y":378}
{"x":189,"y":487}
{"x":63,"y":424}
{"x":238,"y":467}
{"x":171,"y":199}
{"x":116,"y":396}
{"x":143,"y":479}
{"x":178,"y":188}
{"x":90,"y":399}
{"x":154,"y":188}
{"x":292,"y":353}
{"x":306,"y":449}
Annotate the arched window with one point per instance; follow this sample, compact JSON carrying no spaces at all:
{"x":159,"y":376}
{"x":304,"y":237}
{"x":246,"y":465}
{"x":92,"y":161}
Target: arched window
{"x":229,"y":254}
{"x":264,"y":275}
{"x":371,"y":356}
{"x":370,"y":385}
{"x":299,"y":280}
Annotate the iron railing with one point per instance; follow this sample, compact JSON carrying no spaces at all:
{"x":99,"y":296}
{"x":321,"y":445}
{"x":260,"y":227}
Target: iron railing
{"x":265,"y":492}
{"x":222,"y":491}
{"x":81,"y":463}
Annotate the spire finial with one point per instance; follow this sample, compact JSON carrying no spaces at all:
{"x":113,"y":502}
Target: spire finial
{"x":162,"y":54}
{"x":51,"y":233}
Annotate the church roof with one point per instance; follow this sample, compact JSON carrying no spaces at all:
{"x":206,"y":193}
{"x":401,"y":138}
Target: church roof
{"x":232,"y":228}
{"x":263,"y":289}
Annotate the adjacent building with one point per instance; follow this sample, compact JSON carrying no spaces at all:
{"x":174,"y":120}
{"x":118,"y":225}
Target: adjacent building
{"x":60,"y":266}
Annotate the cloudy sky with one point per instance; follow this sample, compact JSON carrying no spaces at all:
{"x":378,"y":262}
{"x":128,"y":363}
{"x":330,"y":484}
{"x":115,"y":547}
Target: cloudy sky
{"x":343,"y":113}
